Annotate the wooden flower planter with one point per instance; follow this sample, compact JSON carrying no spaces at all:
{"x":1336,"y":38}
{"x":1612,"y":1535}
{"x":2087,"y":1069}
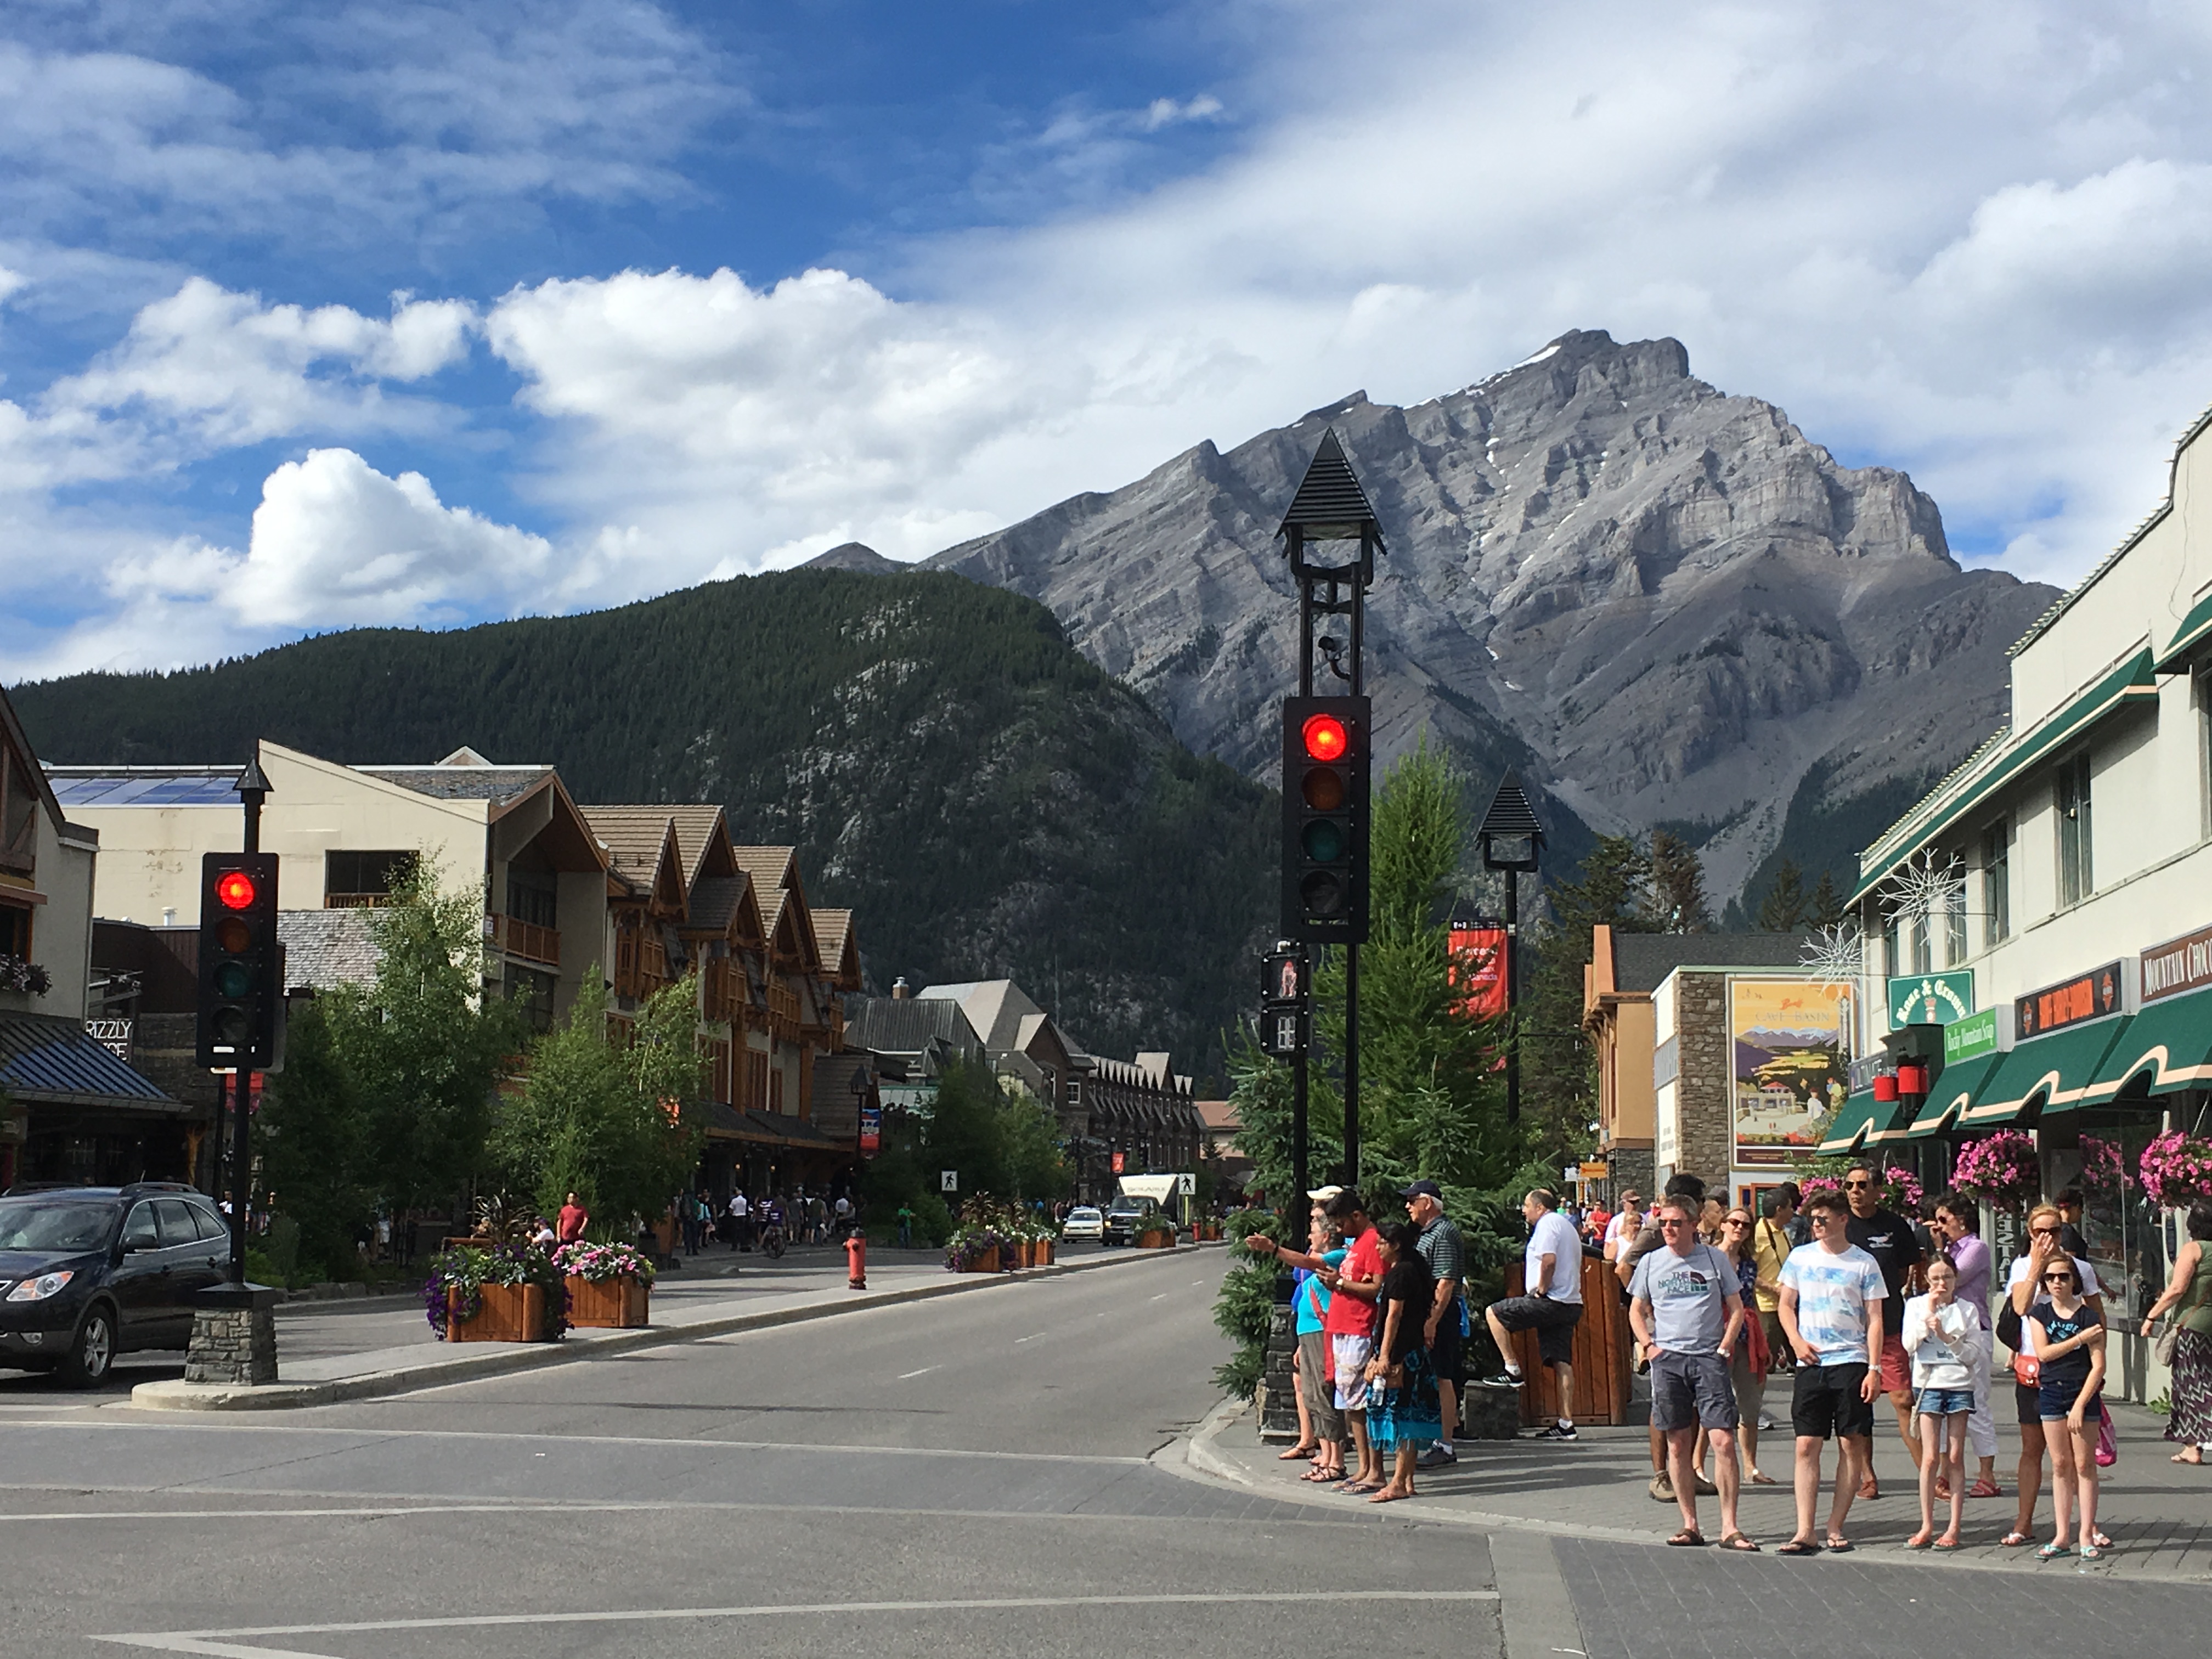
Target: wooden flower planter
{"x":986,"y":1263}
{"x":621,"y":1304}
{"x":508,"y":1313}
{"x":1023,"y":1251}
{"x":1048,"y":1251}
{"x":1156,"y":1241}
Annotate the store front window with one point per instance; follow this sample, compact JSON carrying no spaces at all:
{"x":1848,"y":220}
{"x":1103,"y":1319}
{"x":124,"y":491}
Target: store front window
{"x":2097,"y":1151}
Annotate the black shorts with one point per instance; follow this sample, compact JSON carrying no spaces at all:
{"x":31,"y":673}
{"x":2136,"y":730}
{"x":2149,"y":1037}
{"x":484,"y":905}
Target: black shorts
{"x":1825,"y":1402}
{"x":1449,"y":1353}
{"x":2027,"y":1402}
{"x":1554,"y":1323}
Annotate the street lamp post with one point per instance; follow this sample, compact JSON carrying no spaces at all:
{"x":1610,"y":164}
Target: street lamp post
{"x":1512,"y":842}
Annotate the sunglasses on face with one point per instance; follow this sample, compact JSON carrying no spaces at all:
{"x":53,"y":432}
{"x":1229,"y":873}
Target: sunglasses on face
{"x":2058,"y":1279}
{"x":1849,"y":1185}
{"x":1738,"y":1221}
{"x":1671,"y":1221}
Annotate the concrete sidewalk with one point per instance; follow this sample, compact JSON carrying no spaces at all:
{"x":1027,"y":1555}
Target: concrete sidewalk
{"x":2159,"y":1514}
{"x":329,"y":1353}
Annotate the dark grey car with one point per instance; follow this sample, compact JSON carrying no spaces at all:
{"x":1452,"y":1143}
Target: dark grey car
{"x":88,"y":1272}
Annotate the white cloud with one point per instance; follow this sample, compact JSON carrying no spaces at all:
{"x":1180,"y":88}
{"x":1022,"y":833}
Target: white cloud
{"x":1967,"y":241}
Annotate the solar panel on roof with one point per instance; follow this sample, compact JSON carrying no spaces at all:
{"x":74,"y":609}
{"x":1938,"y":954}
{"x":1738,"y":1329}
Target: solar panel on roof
{"x":194,"y":789}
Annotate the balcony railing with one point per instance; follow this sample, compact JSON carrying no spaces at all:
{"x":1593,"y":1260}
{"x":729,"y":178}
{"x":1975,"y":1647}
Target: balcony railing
{"x":783,"y":1013}
{"x":356,"y":900}
{"x":725,"y":992}
{"x":528,"y":940}
{"x":640,"y":964}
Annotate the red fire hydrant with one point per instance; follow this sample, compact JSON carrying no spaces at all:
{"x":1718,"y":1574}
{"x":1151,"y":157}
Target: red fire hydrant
{"x":856,"y":1259}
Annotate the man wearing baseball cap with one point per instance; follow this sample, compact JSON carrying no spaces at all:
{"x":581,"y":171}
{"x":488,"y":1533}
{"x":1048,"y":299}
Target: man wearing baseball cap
{"x":1445,"y":1335}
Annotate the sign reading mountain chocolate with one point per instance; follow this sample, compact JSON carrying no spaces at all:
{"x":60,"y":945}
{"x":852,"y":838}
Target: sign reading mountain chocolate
{"x":2086,"y":996}
{"x":2179,"y":964}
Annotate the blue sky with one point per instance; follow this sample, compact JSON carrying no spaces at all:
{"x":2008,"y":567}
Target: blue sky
{"x":418,"y":313}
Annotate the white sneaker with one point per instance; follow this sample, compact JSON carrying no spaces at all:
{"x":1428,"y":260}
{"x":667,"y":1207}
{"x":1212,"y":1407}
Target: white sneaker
{"x":1437,"y":1455}
{"x":1765,"y":1421}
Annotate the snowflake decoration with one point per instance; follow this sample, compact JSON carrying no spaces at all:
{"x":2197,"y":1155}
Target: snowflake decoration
{"x":1835,"y":956}
{"x":1922,"y":888}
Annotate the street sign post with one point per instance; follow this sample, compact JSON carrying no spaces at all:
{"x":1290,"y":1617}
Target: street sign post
{"x":948,"y":1181}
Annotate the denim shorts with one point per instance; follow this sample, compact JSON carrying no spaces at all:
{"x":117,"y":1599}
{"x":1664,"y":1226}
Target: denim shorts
{"x":1944,"y":1402}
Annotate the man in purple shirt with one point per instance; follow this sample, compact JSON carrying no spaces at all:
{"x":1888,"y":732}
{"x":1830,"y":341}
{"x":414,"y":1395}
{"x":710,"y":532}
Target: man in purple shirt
{"x":1956,"y":1218}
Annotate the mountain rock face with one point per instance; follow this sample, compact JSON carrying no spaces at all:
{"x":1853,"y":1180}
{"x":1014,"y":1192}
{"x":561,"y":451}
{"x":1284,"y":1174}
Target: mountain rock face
{"x":1661,"y":600}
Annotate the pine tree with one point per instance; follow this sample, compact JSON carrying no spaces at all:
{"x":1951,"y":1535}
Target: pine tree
{"x":308,"y":1135}
{"x":1558,"y":1074}
{"x":1678,"y":885}
{"x":1827,"y":904}
{"x":1785,"y":906}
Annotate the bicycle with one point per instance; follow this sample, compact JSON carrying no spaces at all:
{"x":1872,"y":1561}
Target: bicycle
{"x":772,"y":1240}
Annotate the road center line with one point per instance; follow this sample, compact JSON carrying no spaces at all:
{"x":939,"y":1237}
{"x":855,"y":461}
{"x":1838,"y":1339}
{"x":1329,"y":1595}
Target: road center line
{"x":212,"y":1641}
{"x":1031,"y":1337}
{"x":924,"y":1371}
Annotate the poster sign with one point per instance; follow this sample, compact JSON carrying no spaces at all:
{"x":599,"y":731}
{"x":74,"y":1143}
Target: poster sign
{"x":872,"y":1128}
{"x":1791,"y":1042}
{"x":2179,"y":964}
{"x":1931,"y":999}
{"x":2086,"y":996}
{"x":1478,"y":968}
{"x":1600,"y":1170}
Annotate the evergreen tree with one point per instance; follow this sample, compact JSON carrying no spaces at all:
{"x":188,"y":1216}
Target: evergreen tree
{"x":1826,"y":903}
{"x":1678,"y":886}
{"x":1559,"y":1069}
{"x":1785,"y":906}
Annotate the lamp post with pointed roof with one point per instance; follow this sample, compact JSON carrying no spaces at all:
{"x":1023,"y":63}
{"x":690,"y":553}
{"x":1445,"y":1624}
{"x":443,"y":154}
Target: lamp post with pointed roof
{"x":1331,"y":538}
{"x":1512,"y":842}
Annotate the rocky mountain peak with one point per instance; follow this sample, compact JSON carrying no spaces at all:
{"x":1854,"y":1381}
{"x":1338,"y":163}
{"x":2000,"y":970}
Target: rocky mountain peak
{"x":1659,"y":599}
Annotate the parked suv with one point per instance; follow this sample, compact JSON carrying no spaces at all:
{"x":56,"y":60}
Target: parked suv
{"x":88,"y":1272}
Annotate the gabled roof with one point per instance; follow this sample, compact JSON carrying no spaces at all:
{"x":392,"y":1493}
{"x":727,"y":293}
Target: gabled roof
{"x":19,"y":740}
{"x":841,"y":948}
{"x":725,"y":905}
{"x":642,"y":844}
{"x":993,"y":1006}
{"x":909,"y":1025}
{"x":782,"y":897}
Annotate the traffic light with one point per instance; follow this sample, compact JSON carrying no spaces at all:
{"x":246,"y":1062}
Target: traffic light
{"x":1328,"y":752}
{"x":240,"y":963}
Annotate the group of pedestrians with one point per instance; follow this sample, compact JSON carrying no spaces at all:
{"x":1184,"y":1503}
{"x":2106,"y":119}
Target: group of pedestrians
{"x":739,"y":1222}
{"x":1381,"y":1327}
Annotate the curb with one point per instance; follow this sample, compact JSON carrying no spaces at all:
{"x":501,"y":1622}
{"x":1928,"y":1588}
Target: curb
{"x":1195,"y":1457}
{"x":174,"y":1395}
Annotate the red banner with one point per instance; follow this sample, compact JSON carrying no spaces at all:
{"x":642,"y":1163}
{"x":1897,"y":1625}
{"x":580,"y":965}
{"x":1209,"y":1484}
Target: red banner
{"x":1478,"y":968}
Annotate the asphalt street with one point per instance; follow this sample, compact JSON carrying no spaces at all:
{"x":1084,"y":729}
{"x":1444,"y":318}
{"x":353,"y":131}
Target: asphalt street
{"x":999,"y":1472}
{"x":970,"y":1472}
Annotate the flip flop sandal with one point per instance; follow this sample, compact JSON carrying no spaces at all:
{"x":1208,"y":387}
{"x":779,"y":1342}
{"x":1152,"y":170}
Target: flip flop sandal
{"x":1946,"y":1543}
{"x":1920,"y":1541}
{"x":1740,"y":1544}
{"x":2055,"y":1552}
{"x":1761,"y":1478}
{"x":1688,"y":1538}
{"x":1296,"y":1453}
{"x":1985,"y":1489}
{"x":2091,"y":1553}
{"x":1838,"y":1546}
{"x":1320,"y":1477}
{"x":1798,"y":1546}
{"x":2013,"y":1540}
{"x":2100,"y":1540}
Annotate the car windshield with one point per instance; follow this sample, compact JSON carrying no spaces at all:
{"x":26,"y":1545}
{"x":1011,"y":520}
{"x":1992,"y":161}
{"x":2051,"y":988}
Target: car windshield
{"x":1085,"y":1214}
{"x":28,"y":1224}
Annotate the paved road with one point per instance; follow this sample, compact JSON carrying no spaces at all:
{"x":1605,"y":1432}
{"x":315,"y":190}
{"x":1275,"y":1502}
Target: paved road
{"x":968,"y":1471}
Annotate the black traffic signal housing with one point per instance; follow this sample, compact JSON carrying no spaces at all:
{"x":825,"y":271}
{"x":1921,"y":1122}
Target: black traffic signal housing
{"x":1327,"y":759}
{"x":242,"y":965}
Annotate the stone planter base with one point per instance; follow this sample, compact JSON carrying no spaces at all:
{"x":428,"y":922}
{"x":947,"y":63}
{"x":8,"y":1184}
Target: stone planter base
{"x":621,"y":1304}
{"x":509,"y":1313}
{"x":1489,"y":1413}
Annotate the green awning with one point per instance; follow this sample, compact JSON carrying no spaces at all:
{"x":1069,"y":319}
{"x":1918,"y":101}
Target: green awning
{"x":2196,"y":628}
{"x":1860,"y":1116}
{"x":2131,"y":682}
{"x":2167,"y":1047}
{"x":2058,"y":1070}
{"x":1947,"y":1102}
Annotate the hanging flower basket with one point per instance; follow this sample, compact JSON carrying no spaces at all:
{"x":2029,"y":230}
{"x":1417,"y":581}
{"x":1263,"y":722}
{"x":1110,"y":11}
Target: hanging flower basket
{"x":2176,"y":1170}
{"x":2001,"y":1169}
{"x":2104,"y":1166}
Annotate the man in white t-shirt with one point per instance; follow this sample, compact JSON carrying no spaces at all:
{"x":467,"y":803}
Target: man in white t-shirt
{"x":1551,"y":1307}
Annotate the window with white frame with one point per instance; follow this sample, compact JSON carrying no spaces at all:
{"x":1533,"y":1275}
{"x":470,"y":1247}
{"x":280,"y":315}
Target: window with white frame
{"x":1952,"y":918}
{"x":2076,"y":871}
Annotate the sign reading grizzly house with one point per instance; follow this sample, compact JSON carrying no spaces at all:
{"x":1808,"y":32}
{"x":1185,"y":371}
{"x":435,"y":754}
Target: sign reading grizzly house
{"x":2086,"y":996}
{"x":2179,"y":964}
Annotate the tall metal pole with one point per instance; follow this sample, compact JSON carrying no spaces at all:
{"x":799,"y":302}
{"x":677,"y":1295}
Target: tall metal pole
{"x":1301,"y":1176}
{"x":252,"y":788}
{"x":1513,"y":996}
{"x":1352,"y":1065}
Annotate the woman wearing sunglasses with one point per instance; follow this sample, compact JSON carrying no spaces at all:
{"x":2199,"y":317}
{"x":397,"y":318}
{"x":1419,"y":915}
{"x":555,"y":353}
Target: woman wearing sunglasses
{"x":2068,"y":1336}
{"x":2023,"y":1285}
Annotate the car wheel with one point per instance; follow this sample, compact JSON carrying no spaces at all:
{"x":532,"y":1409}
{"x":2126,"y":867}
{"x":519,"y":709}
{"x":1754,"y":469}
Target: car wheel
{"x":93,"y":1352}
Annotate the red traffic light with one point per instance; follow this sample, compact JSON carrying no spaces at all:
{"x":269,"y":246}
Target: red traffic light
{"x":235,"y":890}
{"x":1326,"y":739}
